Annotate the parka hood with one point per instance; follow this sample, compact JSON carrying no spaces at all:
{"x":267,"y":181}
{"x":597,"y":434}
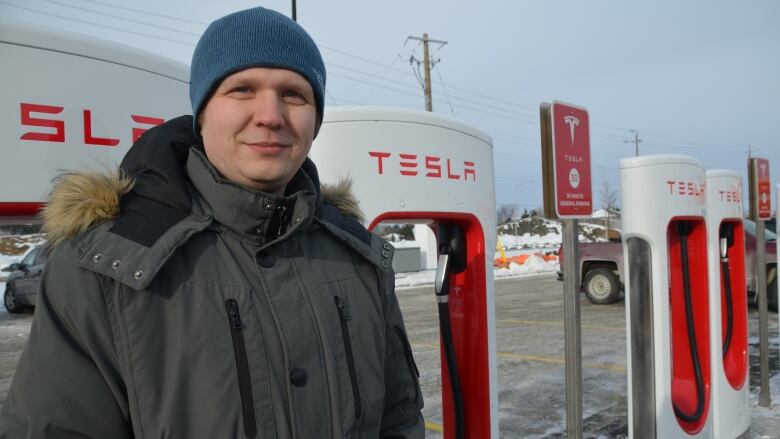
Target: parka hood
{"x":153,"y":171}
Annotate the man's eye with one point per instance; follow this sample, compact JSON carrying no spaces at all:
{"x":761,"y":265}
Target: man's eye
{"x":293,"y":97}
{"x":240,"y":90}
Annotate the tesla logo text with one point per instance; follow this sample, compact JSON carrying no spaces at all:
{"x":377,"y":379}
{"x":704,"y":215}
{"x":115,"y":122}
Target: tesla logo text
{"x":730,"y":196}
{"x":686,"y":188}
{"x":430,"y":166}
{"x":572,"y":122}
{"x":57,"y":126}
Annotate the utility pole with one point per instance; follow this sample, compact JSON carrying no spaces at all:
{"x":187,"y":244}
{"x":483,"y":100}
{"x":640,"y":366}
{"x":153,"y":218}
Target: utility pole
{"x":636,"y":142}
{"x":426,"y":66}
{"x":294,"y":11}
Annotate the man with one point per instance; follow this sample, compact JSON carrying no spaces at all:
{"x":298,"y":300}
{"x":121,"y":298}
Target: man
{"x":216,"y":294}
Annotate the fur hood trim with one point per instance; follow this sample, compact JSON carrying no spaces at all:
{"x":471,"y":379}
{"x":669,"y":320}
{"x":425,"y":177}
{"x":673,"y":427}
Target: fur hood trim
{"x":340,"y":195}
{"x":80,"y":200}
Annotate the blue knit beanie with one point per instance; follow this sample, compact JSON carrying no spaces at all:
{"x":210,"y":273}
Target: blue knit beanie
{"x":256,"y":37}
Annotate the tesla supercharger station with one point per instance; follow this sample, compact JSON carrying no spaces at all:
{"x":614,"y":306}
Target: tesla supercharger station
{"x":667,"y":310}
{"x":69,"y":101}
{"x":411,"y":166}
{"x":728,"y":304}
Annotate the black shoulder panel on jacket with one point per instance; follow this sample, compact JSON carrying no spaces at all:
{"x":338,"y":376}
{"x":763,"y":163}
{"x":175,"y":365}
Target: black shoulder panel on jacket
{"x":157,"y":162}
{"x":160,"y":196}
{"x":144,"y":220}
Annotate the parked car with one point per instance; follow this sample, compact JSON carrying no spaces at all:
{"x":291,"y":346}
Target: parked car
{"x":601,"y":268}
{"x":21,"y":287}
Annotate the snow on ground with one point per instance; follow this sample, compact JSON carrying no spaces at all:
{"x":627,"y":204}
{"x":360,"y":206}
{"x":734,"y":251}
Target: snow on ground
{"x":533,"y":265}
{"x":528,"y":240}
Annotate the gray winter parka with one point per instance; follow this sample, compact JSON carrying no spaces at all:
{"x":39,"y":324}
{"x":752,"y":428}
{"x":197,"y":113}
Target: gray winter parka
{"x":251,"y":315}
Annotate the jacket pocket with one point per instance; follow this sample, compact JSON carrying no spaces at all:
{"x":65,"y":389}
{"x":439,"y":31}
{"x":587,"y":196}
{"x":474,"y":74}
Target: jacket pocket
{"x":242,"y":368}
{"x":413,"y":371}
{"x":344,"y":316}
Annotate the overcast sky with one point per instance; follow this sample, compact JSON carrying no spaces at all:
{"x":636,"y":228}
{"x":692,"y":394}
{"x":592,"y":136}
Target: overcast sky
{"x":693,"y":77}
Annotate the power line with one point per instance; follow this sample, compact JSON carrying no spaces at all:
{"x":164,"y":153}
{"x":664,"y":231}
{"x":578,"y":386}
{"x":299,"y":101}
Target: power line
{"x":122,"y":18}
{"x":96,"y":24}
{"x":142,"y":11}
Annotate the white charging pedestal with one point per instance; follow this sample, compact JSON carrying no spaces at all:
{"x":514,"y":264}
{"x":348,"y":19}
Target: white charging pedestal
{"x":662,"y":196}
{"x":421,"y":168}
{"x":728,"y":315}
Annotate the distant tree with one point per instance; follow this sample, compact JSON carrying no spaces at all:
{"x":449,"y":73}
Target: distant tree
{"x":525,"y":213}
{"x":609,"y":202}
{"x":505,"y":213}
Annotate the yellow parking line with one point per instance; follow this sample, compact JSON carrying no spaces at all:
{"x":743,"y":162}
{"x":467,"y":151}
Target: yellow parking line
{"x":560,"y":324}
{"x":536,"y":358}
{"x":434,"y":426}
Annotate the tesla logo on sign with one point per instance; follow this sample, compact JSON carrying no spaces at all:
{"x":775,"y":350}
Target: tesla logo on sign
{"x":411,"y":165}
{"x":572,"y":122}
{"x":29,"y":116}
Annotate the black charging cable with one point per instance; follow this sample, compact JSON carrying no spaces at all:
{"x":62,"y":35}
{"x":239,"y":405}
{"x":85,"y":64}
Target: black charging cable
{"x":726,"y":241}
{"x":450,"y":262}
{"x":684,"y":230}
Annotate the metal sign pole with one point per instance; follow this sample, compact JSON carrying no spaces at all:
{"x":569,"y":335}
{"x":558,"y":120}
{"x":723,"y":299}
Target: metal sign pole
{"x":573,"y":341}
{"x":764,"y":399}
{"x":760,"y":210}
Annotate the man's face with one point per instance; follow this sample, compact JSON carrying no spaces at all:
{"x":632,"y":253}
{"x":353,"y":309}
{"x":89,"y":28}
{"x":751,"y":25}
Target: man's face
{"x":258,"y":127}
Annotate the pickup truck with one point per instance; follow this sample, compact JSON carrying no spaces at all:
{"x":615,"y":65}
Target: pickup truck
{"x":601,"y":268}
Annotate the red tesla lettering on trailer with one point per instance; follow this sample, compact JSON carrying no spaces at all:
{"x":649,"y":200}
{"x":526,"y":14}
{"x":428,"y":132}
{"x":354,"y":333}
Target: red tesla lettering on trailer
{"x":28,"y":120}
{"x":59,"y":125}
{"x":379,"y":157}
{"x":410,"y":163}
{"x":89,"y":139}
{"x":144,"y":120}
{"x":432,"y":165}
{"x":450,"y":175}
{"x":469,"y":169}
{"x":685,"y":188}
{"x":730,"y":196}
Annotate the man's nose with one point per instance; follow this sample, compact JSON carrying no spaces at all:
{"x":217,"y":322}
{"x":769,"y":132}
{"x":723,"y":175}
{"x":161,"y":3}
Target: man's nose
{"x":268,"y":110}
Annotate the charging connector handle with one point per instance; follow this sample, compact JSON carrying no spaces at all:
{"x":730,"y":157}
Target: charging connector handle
{"x":684,"y":229}
{"x":441,"y":276}
{"x":726,"y":241}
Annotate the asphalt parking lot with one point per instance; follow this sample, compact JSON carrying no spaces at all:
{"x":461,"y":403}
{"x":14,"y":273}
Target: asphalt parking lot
{"x":530,"y":344}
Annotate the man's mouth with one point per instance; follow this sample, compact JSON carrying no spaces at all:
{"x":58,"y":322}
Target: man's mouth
{"x":267,"y":147}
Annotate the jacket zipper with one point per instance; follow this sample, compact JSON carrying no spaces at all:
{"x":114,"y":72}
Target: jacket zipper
{"x":409,"y":361}
{"x":344,"y":316}
{"x":242,"y":367}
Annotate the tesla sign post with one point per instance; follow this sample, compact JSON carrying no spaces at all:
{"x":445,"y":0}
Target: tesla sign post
{"x":760,"y":211}
{"x":568,"y":196}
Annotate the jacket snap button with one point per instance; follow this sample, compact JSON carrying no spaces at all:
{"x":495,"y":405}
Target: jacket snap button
{"x":259,"y":230}
{"x":385,"y":253}
{"x":386,"y":246}
{"x":138,"y":274}
{"x":266,"y":260}
{"x":298,"y":377}
{"x":269,"y":205}
{"x":97,"y":257}
{"x":116,"y":264}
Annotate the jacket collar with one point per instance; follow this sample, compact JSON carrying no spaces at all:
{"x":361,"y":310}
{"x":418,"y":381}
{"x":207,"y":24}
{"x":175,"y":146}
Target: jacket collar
{"x":255,"y":216}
